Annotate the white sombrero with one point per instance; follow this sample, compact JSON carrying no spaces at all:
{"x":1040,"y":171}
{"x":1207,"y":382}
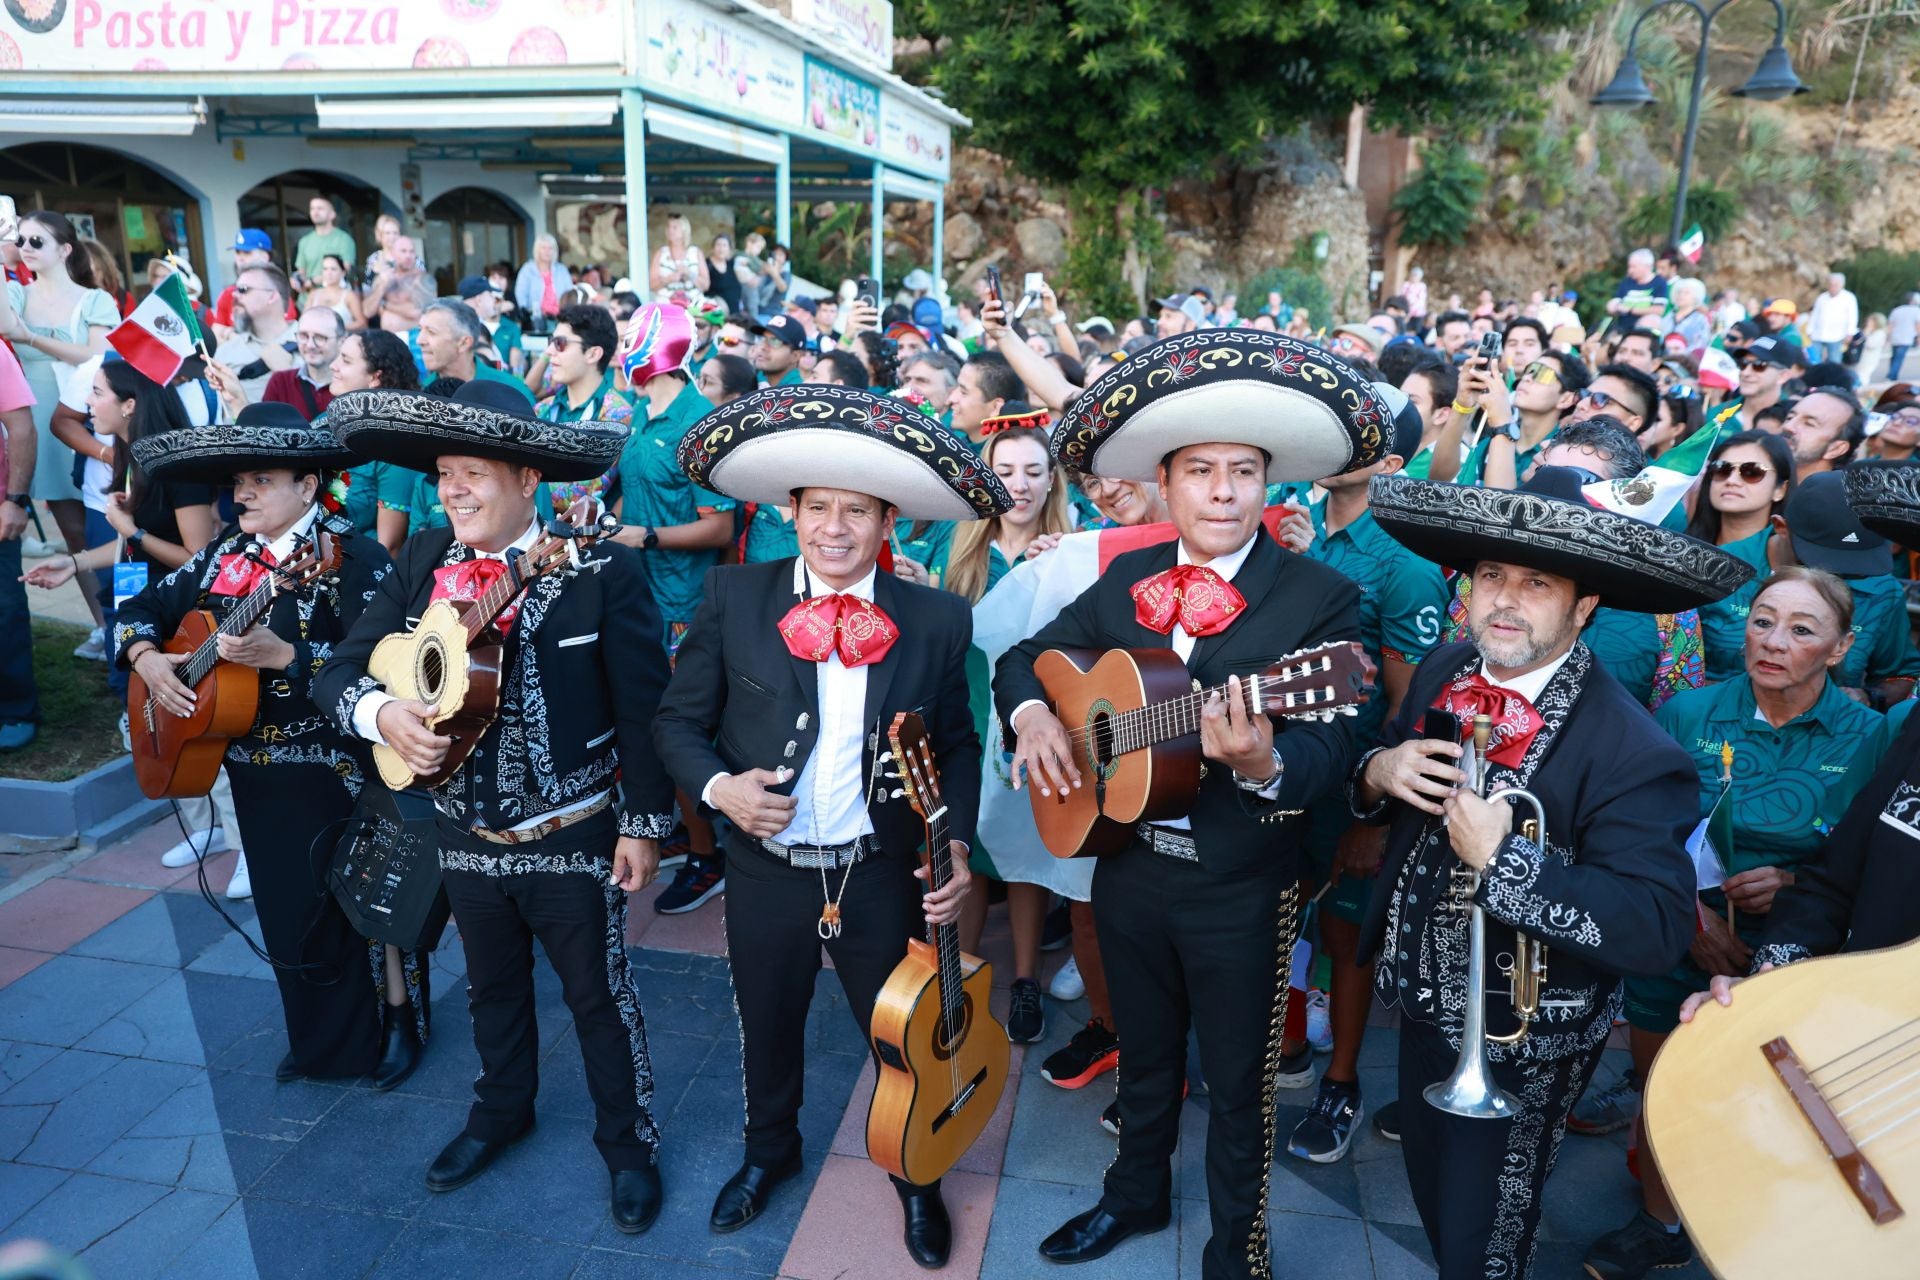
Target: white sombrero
{"x":763,"y":447}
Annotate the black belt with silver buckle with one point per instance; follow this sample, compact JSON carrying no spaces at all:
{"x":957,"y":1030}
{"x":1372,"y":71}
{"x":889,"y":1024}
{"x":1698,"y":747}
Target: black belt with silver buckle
{"x":816,"y":856}
{"x":1174,"y":844}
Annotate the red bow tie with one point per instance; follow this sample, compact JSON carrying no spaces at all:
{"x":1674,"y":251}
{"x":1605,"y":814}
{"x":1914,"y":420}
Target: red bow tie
{"x":856,"y":629}
{"x":1194,"y":596}
{"x":1514,"y":719}
{"x":469,"y":580}
{"x":240,"y":574}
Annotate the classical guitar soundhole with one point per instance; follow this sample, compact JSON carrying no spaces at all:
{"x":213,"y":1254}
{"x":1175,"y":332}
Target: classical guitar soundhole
{"x":945,"y":1044}
{"x":433,"y":671}
{"x":1102,"y":754}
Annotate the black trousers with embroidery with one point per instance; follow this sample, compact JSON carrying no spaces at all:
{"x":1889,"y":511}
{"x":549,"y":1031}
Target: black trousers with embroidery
{"x":1186,"y":946}
{"x":580,"y":920}
{"x":773,"y":948}
{"x":1478,"y":1183}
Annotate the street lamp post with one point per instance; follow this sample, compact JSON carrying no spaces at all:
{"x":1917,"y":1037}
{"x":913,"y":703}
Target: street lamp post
{"x":1771,"y":80}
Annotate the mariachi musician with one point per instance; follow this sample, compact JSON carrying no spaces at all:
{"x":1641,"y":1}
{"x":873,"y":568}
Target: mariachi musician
{"x":783,"y":691}
{"x":293,"y":774}
{"x":1607,"y":888}
{"x":1197,"y":917}
{"x":558,"y":812}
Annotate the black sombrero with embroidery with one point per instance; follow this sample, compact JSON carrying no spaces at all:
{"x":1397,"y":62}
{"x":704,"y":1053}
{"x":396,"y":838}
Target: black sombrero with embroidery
{"x":267,"y":437}
{"x":1312,"y":414}
{"x":1548,"y":524}
{"x":1886,"y":497}
{"x":762,"y":447}
{"x":482,"y":419}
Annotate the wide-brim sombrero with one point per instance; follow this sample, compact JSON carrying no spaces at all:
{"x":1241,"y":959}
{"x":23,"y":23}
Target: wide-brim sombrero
{"x":482,"y":419}
{"x":1312,"y":414}
{"x":762,"y":447}
{"x":267,"y":437}
{"x":1549,"y":525}
{"x":1885,"y":495}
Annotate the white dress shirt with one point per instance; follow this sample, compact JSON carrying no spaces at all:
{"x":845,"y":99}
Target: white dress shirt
{"x":1835,"y":318}
{"x":282,"y":547}
{"x":1531,"y":685}
{"x":830,"y":798}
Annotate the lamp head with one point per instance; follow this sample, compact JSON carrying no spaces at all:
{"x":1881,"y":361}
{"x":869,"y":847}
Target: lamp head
{"x":1773,"y":79}
{"x":1629,"y":87}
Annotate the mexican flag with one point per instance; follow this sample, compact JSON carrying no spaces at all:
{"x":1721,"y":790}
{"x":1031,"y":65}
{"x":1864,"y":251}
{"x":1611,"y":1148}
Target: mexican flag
{"x":1718,"y":370}
{"x":1658,"y":493}
{"x":1711,"y":846}
{"x":161,"y":333}
{"x":1693,"y":243}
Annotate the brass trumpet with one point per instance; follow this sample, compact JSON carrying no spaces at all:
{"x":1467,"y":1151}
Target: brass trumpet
{"x":1470,"y":1090}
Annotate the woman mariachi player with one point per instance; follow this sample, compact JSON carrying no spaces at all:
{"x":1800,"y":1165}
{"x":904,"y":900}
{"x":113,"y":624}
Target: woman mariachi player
{"x":293,"y":774}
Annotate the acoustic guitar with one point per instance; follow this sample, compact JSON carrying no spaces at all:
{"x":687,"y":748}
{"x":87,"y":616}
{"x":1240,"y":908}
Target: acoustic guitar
{"x":1133,"y":718}
{"x":943,"y":1058}
{"x":452,"y":660}
{"x":179,"y":756}
{"x":1787,"y":1125}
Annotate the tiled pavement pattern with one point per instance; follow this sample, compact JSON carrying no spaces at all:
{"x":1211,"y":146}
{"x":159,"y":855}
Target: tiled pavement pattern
{"x":140,"y":1127}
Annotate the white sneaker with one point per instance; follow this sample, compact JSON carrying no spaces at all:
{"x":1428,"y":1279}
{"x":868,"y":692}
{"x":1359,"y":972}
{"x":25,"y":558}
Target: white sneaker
{"x":1068,"y":984}
{"x":194,"y":848}
{"x":94,"y":647}
{"x":241,"y":886}
{"x":1319,"y":1025}
{"x":39,"y":548}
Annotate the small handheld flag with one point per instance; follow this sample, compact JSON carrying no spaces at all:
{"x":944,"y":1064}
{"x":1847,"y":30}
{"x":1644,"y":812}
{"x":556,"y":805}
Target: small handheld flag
{"x":161,"y":333}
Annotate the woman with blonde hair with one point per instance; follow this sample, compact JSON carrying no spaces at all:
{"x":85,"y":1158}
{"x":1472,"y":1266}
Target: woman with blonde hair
{"x":679,"y":270}
{"x":983,"y":552}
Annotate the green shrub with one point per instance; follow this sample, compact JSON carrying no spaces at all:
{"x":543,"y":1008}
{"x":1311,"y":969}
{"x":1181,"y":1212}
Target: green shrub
{"x":1298,"y":287}
{"x":1441,"y":204}
{"x":1651,"y":219}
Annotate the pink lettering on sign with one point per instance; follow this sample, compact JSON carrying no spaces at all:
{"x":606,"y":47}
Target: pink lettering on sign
{"x":332,"y":26}
{"x":159,"y":26}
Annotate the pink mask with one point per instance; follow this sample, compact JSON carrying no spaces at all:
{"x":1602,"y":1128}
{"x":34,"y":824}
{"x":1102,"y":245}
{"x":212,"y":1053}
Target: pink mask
{"x":658,"y":340}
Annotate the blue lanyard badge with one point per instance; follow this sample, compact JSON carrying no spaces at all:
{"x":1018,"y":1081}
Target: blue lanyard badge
{"x":129,"y":580}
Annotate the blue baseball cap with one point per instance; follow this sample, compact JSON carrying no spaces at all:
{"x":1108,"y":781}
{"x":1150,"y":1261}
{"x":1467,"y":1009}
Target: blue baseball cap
{"x":252,"y":239}
{"x":926,"y":314}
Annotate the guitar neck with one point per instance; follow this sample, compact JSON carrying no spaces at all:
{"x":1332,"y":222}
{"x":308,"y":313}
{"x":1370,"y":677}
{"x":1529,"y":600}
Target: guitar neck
{"x":945,"y":937}
{"x":239,"y":619}
{"x":1179,"y":717}
{"x":494,"y":600}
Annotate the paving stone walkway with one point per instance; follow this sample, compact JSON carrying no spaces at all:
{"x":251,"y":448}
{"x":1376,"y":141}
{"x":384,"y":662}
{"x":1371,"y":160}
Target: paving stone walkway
{"x":141,"y":1128}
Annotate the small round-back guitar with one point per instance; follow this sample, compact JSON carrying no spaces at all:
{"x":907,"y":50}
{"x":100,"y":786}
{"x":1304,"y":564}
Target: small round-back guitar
{"x":452,"y":661}
{"x":943,"y":1058}
{"x":180,"y":756}
{"x":1133,"y":716}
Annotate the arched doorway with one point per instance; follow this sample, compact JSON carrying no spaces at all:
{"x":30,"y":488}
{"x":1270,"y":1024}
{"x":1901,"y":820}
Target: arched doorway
{"x":278,"y":207}
{"x":468,"y":228}
{"x":136,"y":211}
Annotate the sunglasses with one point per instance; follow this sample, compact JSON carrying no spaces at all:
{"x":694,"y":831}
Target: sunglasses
{"x":1600,"y":399}
{"x":31,"y":242}
{"x":559,"y":344}
{"x":1906,"y":419}
{"x":1755,"y":366}
{"x":1541,"y":372}
{"x":1751,"y":472}
{"x":725,"y":341}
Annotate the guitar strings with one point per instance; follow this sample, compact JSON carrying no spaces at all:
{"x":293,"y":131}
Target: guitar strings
{"x":1908,"y":1025}
{"x":945,"y":939}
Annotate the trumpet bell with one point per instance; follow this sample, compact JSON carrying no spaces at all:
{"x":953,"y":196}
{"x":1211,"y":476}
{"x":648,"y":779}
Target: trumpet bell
{"x":1468,"y":1092}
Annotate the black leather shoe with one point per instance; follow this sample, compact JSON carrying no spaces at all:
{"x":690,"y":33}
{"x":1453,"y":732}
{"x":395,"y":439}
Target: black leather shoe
{"x":1095,"y":1234}
{"x":636,"y":1198}
{"x":929,"y":1233}
{"x":746,"y":1193}
{"x":286,"y":1072}
{"x":401,"y":1052}
{"x":464,"y":1159}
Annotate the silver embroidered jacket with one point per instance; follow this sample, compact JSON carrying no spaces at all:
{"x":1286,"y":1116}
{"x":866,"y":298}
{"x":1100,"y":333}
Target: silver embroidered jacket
{"x":583,"y":672}
{"x":1610,"y":893}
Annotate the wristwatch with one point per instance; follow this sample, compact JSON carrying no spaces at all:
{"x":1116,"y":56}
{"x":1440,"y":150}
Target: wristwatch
{"x":24,"y":500}
{"x":1268,"y":789}
{"x":137,"y":537}
{"x":651,"y":541}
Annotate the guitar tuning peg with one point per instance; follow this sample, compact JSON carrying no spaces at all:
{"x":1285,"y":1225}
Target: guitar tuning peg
{"x":886,"y":757}
{"x":896,"y":794}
